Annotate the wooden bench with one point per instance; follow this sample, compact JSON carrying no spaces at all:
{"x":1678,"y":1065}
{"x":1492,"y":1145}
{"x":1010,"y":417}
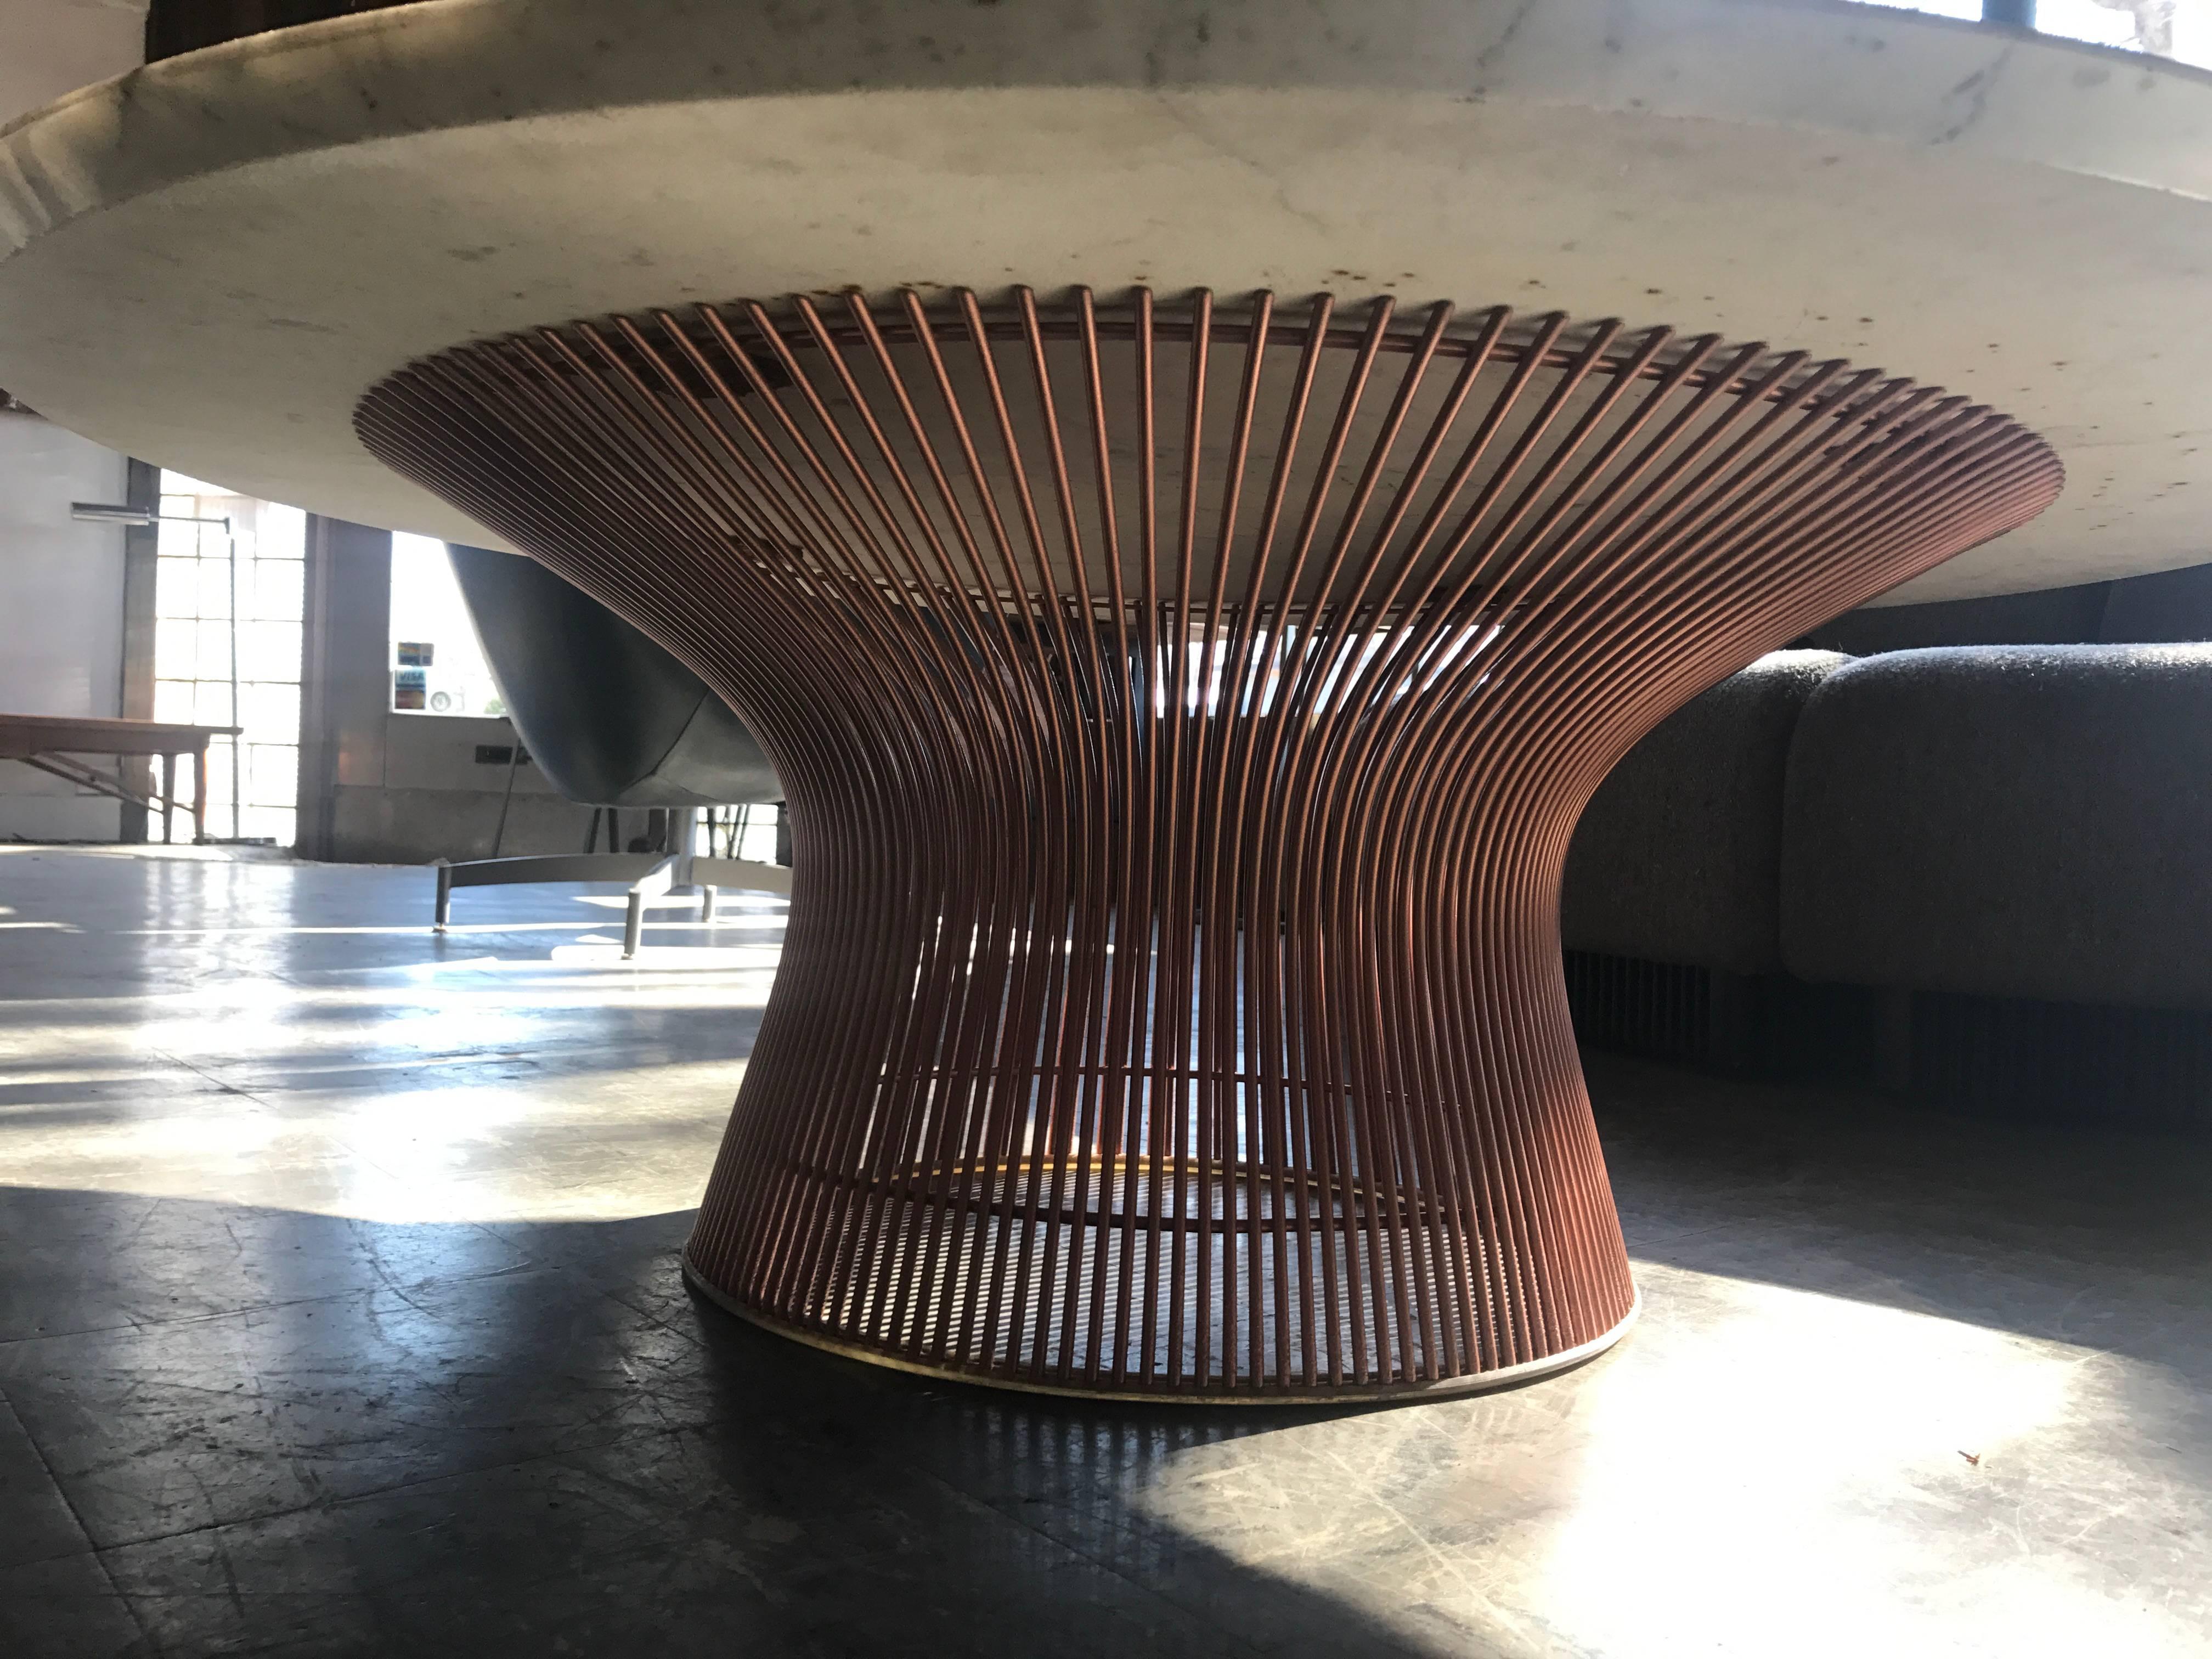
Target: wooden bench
{"x":49,"y":742}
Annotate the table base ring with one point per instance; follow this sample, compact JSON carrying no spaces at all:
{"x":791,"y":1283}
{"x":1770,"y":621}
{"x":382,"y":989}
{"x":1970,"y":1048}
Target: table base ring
{"x":1245,"y":1395}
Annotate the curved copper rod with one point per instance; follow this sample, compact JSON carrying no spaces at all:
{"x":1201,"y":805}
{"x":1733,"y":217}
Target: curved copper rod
{"x":1184,"y":709}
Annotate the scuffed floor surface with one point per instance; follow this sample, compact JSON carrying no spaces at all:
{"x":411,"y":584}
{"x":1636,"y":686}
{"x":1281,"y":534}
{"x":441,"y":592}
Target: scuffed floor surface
{"x":339,"y":1315}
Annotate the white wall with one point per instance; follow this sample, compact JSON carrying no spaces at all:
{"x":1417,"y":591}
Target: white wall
{"x":61,"y":616}
{"x":61,"y":582}
{"x":429,"y":796}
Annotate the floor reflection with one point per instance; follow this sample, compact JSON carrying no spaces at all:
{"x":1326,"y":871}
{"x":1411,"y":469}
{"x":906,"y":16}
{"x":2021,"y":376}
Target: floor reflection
{"x":340,"y":1314}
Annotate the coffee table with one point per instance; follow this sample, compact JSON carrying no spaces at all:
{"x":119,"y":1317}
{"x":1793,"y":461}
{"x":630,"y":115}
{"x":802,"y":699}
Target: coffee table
{"x":1172,"y":491}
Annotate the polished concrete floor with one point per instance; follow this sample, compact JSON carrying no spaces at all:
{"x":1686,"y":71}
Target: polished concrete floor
{"x":339,"y":1315}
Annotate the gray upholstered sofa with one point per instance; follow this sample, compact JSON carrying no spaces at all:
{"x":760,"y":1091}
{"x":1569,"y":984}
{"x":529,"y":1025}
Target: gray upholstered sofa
{"x":1983,"y":871}
{"x":1678,"y":856}
{"x":2018,"y":821}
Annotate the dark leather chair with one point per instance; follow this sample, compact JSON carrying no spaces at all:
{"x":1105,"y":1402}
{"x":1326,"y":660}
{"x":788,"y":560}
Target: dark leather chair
{"x":608,"y":717}
{"x":612,"y":721}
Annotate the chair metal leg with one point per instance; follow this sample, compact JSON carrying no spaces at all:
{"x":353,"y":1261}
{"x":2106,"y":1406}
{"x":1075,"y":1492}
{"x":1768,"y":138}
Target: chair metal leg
{"x":652,"y":885}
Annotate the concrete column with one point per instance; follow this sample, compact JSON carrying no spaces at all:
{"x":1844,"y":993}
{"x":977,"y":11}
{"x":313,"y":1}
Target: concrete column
{"x":344,"y":684}
{"x":142,"y":545}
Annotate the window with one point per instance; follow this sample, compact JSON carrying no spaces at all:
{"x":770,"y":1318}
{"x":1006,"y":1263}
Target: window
{"x":438,"y":666}
{"x":2179,"y":29}
{"x":739,"y":832}
{"x":201,"y":642}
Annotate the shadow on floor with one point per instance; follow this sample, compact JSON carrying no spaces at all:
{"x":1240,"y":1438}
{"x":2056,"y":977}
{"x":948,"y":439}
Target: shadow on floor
{"x":2081,"y":1234}
{"x":228,"y":1429}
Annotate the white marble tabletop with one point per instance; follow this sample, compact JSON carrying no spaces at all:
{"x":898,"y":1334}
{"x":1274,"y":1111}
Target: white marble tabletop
{"x":208,"y":261}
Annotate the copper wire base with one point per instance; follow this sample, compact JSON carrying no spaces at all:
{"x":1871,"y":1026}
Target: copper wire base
{"x":1532,"y":1371}
{"x":1184,"y":712}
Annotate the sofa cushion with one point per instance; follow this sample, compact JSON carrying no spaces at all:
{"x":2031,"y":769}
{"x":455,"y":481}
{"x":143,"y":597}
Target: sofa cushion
{"x":1678,"y":856}
{"x":2024,"y":821}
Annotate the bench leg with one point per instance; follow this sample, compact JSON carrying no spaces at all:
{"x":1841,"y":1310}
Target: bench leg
{"x":168,"y":798}
{"x":199,"y":797}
